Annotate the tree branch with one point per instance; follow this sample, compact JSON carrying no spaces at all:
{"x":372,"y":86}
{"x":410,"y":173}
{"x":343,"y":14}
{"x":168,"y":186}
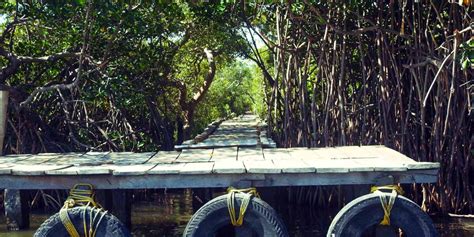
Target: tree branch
{"x":75,"y":83}
{"x":209,"y":78}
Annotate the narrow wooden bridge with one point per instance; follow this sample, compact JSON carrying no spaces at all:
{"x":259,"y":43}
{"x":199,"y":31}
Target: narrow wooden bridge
{"x":237,"y":153}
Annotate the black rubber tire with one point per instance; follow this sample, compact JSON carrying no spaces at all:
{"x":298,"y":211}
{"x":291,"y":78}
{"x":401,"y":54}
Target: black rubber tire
{"x":365,"y":212}
{"x":109,"y":226}
{"x":260,"y":218}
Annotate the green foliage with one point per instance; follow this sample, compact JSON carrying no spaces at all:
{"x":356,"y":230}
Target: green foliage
{"x":237,"y":89}
{"x":467,"y":54}
{"x":136,"y":56}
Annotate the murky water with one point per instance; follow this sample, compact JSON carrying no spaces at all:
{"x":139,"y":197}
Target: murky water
{"x":166,"y":215}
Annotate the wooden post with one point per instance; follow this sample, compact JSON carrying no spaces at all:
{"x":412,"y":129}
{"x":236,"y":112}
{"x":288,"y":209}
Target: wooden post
{"x":3,"y":116}
{"x":17,"y":210}
{"x":122,"y":206}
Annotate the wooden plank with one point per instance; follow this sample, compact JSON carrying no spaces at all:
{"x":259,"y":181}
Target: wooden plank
{"x":14,"y":158}
{"x":95,"y":154}
{"x":129,"y":157}
{"x":82,"y":170}
{"x":213,"y":180}
{"x":276,"y":154}
{"x":303,"y":153}
{"x":226,"y":153}
{"x":423,"y":165}
{"x":356,"y":152}
{"x":385,"y":152}
{"x":232,"y":136}
{"x":197,"y":168}
{"x":228,"y":167}
{"x":380,"y":164}
{"x":244,"y":142}
{"x":195,"y":155}
{"x":5,"y":169}
{"x":68,"y":158}
{"x":132,"y":169}
{"x":164,"y":157}
{"x":329,"y":166}
{"x":37,"y":169}
{"x":293,"y":166}
{"x":246,"y":154}
{"x":329,"y":152}
{"x":261,"y":167}
{"x":167,"y":168}
{"x":50,"y":158}
{"x":91,"y":158}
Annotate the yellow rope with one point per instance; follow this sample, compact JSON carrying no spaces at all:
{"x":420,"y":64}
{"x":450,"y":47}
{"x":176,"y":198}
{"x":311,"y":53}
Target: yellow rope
{"x":248,"y":193}
{"x":67,"y":223}
{"x":387,"y":205}
{"x":78,"y":196}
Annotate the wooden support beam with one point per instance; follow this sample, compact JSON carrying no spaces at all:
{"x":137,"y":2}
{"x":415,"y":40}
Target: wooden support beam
{"x":3,"y":116}
{"x":122,"y":206}
{"x":17,"y":209}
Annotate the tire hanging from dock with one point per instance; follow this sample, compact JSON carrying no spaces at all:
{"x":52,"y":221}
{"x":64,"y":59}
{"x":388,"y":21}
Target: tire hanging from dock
{"x":109,"y":226}
{"x":260,"y":218}
{"x":81,"y":215}
{"x":365,"y":212}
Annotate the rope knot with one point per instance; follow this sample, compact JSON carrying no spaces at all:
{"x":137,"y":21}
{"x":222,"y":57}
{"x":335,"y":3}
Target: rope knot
{"x":387,"y":205}
{"x":248,"y":194}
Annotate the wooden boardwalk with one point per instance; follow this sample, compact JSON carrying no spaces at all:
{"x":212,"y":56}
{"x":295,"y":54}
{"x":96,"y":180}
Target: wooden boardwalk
{"x":230,"y":159}
{"x":242,"y":131}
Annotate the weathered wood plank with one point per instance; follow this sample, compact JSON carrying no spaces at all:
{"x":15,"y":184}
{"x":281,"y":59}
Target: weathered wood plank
{"x":303,"y":153}
{"x":226,"y":153}
{"x":261,"y":167}
{"x":381,"y":164}
{"x":132,"y":169}
{"x":195,"y":155}
{"x":355,"y":152}
{"x":197,"y":168}
{"x":214,"y":180}
{"x":5,"y":169}
{"x":276,"y":154}
{"x":247,"y":154}
{"x":164,"y":157}
{"x":12,"y":159}
{"x":167,"y":168}
{"x":385,"y":152}
{"x":129,"y":157}
{"x":37,"y":169}
{"x":65,"y":158}
{"x":209,"y":144}
{"x":330,"y":166}
{"x":293,"y":166}
{"x":82,"y":170}
{"x":228,"y":167}
{"x":422,"y":165}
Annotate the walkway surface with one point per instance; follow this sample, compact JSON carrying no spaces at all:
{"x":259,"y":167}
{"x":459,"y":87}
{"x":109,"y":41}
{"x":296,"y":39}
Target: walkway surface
{"x":242,"y":131}
{"x":233,"y":156}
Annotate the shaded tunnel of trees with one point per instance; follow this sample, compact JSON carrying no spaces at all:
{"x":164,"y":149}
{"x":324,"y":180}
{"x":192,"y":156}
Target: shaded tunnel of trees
{"x":145,"y":75}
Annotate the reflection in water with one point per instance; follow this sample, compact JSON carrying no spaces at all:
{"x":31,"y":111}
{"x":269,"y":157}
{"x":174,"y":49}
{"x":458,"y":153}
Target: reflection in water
{"x":166,"y":214}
